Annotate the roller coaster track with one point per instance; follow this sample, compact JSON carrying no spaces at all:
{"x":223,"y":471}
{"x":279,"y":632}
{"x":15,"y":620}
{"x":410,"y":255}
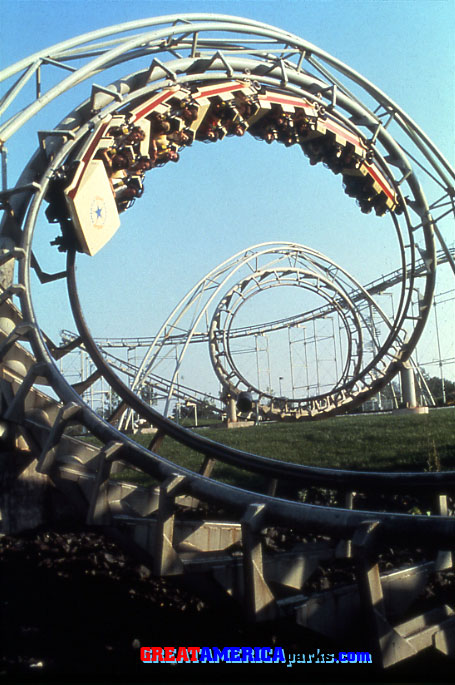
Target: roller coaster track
{"x":198,"y":52}
{"x":379,"y":285}
{"x":163,"y":385}
{"x":254,"y":271}
{"x":168,"y":386}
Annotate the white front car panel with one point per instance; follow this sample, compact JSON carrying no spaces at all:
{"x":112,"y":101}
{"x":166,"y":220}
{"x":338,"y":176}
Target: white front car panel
{"x":93,"y":209}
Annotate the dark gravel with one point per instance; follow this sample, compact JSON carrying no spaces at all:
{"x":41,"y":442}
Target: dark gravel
{"x":77,"y":609}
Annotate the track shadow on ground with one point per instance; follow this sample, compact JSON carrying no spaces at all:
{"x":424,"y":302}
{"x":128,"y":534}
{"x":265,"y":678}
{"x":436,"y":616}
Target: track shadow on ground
{"x":76,"y":609}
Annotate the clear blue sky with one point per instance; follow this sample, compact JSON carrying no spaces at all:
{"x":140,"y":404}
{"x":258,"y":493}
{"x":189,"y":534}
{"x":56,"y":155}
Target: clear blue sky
{"x":245,"y":192}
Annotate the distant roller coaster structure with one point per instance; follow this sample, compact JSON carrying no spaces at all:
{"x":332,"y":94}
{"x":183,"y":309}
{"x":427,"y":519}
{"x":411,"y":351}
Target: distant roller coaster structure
{"x":202,"y":78}
{"x":246,"y":274}
{"x":142,"y":359}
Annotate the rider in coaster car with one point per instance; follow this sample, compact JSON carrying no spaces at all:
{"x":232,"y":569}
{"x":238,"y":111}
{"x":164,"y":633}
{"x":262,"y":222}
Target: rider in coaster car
{"x":246,"y":105}
{"x":142,"y":165}
{"x":237,"y":129}
{"x":112,"y":158}
{"x":211,"y":128}
{"x":188,"y":112}
{"x":129,"y":191}
{"x":318,"y":150}
{"x":302,"y":123}
{"x":160,"y":124}
{"x":181,"y":138}
{"x":134,"y":137}
{"x":270,"y":133}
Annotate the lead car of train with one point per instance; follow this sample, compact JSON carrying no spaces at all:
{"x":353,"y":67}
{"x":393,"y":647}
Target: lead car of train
{"x":106,"y":175}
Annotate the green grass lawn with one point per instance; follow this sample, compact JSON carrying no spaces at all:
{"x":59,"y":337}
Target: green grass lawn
{"x":370,"y":442}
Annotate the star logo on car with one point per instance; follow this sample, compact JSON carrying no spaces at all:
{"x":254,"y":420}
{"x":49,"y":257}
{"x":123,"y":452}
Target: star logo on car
{"x":98,"y":212}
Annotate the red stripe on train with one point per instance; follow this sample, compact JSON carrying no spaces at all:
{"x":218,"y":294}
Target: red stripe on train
{"x":87,"y":157}
{"x":151,"y":105}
